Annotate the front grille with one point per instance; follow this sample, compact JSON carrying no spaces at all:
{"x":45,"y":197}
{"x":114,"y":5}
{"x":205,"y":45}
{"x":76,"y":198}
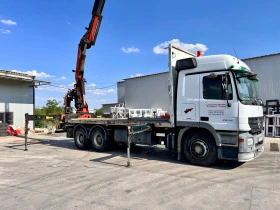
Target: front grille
{"x":256,"y":124}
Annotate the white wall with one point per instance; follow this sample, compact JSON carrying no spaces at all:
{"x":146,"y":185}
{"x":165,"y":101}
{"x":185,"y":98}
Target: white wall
{"x":16,"y":96}
{"x":121,"y":92}
{"x":148,"y":92}
{"x":19,"y":111}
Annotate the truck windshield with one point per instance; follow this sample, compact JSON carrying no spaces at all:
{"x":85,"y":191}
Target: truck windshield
{"x":246,"y":84}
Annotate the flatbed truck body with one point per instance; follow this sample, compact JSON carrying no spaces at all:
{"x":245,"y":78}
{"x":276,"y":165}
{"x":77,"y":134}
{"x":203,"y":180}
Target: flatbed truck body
{"x":214,"y":114}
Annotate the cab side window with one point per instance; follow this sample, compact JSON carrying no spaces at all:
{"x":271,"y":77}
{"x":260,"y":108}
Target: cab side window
{"x":213,"y":87}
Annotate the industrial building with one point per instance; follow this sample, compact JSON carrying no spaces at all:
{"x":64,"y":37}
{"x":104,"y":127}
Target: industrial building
{"x":151,"y":91}
{"x":17,"y":97}
{"x":268,"y":69}
{"x":140,"y":92}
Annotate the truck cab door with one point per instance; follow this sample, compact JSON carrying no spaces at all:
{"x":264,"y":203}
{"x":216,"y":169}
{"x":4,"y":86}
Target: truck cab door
{"x":215,"y":109}
{"x":188,"y":99}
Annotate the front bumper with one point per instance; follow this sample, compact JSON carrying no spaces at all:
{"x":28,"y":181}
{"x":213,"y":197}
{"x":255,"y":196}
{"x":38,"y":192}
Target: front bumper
{"x":244,"y":157}
{"x":251,"y":151}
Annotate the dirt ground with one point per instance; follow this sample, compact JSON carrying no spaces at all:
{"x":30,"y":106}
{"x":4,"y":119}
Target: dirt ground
{"x":53,"y":174}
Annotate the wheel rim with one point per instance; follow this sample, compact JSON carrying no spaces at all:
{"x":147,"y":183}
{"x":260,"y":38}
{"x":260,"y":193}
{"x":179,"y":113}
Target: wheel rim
{"x":80,"y":138}
{"x":98,"y":140}
{"x":199,"y":149}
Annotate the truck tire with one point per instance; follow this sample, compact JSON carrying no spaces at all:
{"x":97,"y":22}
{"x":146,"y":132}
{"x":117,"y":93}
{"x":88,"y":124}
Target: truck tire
{"x":80,"y":139}
{"x":200,"y":149}
{"x":98,"y":140}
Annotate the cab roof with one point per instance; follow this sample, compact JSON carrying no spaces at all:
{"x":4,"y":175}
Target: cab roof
{"x":219,"y":62}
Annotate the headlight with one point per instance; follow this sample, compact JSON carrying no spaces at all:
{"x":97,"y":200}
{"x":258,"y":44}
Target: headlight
{"x":250,"y":141}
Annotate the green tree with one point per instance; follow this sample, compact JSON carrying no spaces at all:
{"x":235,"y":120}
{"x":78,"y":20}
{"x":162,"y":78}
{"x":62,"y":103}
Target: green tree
{"x":98,"y":112}
{"x":52,"y":108}
{"x":40,"y":123}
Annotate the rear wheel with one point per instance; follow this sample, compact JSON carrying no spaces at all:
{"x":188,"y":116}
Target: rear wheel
{"x":200,"y":149}
{"x":80,"y":139}
{"x":98,"y":140}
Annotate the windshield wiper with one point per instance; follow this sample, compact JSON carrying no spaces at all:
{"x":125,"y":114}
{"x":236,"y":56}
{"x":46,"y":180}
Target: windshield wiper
{"x":252,"y":98}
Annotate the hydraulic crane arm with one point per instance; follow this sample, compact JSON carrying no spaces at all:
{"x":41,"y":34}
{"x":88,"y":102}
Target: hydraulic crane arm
{"x":86,"y":42}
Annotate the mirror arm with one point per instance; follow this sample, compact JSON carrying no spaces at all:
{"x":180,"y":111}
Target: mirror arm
{"x":225,"y":87}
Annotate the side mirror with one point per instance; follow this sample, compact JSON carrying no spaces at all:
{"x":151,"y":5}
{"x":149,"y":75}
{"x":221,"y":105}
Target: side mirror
{"x":225,"y":88}
{"x":253,"y":77}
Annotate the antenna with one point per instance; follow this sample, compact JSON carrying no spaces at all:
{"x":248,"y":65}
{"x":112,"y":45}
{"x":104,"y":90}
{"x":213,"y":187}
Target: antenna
{"x":236,"y":55}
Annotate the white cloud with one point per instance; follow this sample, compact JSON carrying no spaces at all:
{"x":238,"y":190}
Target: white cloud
{"x":160,"y":49}
{"x":36,"y":74}
{"x":92,"y":85}
{"x":2,"y":31}
{"x":60,"y":78}
{"x":44,"y":99}
{"x":130,"y":50}
{"x":67,"y":22}
{"x":137,"y":75}
{"x":8,"y":22}
{"x":101,"y":100}
{"x":57,"y":88}
{"x":101,"y":91}
{"x":111,"y":91}
{"x":71,"y":85}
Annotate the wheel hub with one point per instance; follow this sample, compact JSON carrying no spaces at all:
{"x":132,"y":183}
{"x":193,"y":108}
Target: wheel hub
{"x":80,"y":138}
{"x":99,"y":140}
{"x":199,"y":149}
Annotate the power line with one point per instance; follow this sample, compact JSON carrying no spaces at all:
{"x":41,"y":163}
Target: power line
{"x":102,"y":87}
{"x":86,"y":88}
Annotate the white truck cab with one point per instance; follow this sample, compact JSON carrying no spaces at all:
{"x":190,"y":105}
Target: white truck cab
{"x":215,"y":104}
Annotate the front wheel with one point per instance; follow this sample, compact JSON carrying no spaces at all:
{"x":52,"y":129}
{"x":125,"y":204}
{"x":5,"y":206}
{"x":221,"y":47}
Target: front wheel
{"x":200,"y":149}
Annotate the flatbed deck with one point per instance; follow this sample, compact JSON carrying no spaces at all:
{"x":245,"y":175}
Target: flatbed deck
{"x":157,"y":122}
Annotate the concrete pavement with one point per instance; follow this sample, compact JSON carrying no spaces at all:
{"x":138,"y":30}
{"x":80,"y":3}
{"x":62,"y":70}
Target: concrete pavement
{"x":53,"y":174}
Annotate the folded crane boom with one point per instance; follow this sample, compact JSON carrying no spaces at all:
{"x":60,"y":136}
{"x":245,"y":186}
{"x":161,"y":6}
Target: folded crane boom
{"x":86,"y":42}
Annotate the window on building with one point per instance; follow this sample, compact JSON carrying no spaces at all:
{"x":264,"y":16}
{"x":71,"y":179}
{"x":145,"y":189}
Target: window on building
{"x":213,"y":88}
{"x":7,"y":117}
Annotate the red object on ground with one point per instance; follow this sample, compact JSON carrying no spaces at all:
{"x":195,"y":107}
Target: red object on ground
{"x":12,"y":131}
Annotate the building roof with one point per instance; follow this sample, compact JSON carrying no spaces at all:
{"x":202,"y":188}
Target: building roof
{"x":111,"y":103}
{"x":261,"y":56}
{"x":21,"y":76}
{"x":15,"y":75}
{"x":147,"y":75}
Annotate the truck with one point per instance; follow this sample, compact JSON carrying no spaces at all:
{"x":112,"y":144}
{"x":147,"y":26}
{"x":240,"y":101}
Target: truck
{"x":214,"y":109}
{"x":214,"y":113}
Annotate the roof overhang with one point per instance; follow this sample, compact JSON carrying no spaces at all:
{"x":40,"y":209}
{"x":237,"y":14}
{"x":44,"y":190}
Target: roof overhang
{"x":22,"y":77}
{"x":15,"y":75}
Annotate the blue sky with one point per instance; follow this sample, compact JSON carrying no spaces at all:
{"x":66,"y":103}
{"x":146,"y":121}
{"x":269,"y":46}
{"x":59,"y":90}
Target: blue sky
{"x":41,"y":38}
